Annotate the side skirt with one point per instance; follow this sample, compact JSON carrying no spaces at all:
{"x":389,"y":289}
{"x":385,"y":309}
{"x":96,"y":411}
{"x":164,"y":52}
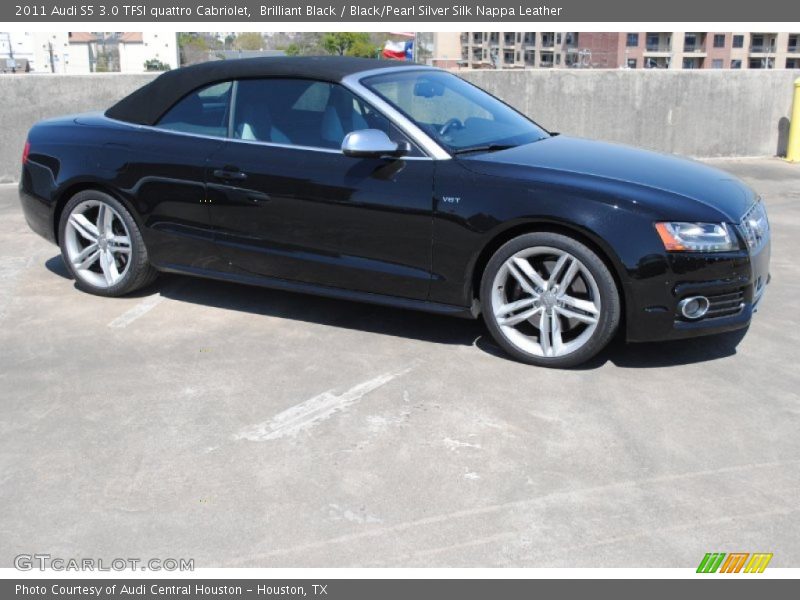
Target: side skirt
{"x":464,"y":312}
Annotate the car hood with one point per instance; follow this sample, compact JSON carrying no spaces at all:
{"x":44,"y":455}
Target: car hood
{"x":645,"y":176}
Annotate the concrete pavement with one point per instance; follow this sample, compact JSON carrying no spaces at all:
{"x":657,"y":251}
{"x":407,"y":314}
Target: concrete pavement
{"x":248,"y":427}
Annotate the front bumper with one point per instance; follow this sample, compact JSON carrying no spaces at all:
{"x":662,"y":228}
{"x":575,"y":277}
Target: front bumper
{"x":734,"y":282}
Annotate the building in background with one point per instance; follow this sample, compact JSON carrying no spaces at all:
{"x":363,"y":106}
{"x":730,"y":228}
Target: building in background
{"x":710,"y":50}
{"x":634,"y":50}
{"x":78,"y":52}
{"x":514,"y":49}
{"x":138,"y":48}
{"x":81,"y":52}
{"x":440,"y":49}
{"x":48,"y":52}
{"x":35,"y":52}
{"x":135,"y":52}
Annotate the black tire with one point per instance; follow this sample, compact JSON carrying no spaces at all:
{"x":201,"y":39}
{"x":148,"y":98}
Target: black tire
{"x":607,"y":321}
{"x":139,"y":273}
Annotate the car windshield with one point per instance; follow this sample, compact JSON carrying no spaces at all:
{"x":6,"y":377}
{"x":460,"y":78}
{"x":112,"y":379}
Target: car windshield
{"x":458,"y":115}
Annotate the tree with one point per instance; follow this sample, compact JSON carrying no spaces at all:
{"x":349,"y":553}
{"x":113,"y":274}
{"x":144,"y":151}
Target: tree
{"x":341,"y":42}
{"x":193,"y":48}
{"x":303,"y":44}
{"x":249,"y":40}
{"x":101,"y":64}
{"x":107,"y":60}
{"x":155,"y":65}
{"x":364,"y":49}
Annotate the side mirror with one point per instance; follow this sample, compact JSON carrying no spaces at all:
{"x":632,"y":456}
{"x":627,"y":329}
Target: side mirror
{"x":371,"y":143}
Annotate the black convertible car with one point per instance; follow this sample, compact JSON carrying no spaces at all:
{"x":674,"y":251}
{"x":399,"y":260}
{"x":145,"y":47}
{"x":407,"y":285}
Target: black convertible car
{"x":402,"y":185}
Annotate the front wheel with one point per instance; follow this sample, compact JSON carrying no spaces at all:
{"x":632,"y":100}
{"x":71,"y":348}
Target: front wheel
{"x":549,"y":300}
{"x":102,"y":246}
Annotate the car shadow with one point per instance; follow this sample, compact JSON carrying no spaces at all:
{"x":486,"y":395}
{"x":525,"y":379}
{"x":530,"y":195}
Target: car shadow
{"x":56,"y":266}
{"x":320,"y":310}
{"x":411,"y":324}
{"x":667,"y":354}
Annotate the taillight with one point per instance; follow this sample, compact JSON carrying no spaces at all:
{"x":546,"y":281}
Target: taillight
{"x":25,"y":151}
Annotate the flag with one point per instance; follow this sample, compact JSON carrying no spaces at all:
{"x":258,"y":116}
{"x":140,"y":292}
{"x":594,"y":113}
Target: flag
{"x":403,"y":50}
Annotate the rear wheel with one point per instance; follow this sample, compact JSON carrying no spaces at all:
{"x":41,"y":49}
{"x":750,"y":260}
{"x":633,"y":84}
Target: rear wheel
{"x":102,"y":245}
{"x":549,"y":300}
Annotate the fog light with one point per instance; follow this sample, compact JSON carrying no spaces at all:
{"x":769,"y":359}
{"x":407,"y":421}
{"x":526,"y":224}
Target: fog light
{"x":693,"y":307}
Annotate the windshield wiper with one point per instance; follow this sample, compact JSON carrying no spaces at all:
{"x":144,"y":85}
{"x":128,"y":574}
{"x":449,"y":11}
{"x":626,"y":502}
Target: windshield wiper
{"x":483,"y":148}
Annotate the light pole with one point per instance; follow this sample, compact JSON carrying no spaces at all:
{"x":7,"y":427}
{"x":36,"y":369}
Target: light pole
{"x":52,"y":58}
{"x":11,"y":60}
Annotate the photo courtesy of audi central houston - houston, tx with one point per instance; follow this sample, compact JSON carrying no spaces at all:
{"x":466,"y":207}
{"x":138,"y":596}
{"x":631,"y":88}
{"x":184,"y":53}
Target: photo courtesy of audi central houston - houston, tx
{"x":402,"y":185}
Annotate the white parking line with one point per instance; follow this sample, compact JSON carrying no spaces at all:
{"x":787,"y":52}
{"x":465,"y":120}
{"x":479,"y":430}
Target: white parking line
{"x":307,"y":414}
{"x":141,"y":309}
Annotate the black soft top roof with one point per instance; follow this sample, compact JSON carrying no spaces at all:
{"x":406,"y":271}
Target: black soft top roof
{"x":147,"y":104}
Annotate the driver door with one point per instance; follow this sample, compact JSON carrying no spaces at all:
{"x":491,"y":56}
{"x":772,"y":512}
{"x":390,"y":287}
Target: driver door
{"x":287,"y":204}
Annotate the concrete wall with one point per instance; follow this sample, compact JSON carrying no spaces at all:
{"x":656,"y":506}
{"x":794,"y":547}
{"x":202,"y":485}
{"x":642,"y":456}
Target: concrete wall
{"x":25,"y":99}
{"x":696,"y":113}
{"x":703,"y":113}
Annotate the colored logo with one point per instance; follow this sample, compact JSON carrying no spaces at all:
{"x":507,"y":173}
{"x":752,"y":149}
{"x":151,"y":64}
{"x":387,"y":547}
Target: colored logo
{"x":735,"y":562}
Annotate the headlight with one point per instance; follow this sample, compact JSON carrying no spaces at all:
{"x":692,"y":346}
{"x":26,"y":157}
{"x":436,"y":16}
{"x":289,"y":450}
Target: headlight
{"x":697,"y":237}
{"x":755,"y":225}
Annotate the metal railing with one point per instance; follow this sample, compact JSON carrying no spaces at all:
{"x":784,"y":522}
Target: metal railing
{"x":658,"y":47}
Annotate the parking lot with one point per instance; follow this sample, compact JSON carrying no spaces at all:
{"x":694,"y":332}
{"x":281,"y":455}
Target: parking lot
{"x":247,"y":427}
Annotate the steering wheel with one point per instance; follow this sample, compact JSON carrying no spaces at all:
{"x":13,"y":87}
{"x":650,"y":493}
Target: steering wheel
{"x":450,"y":123}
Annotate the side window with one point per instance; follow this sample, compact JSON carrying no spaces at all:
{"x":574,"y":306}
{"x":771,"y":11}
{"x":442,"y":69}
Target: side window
{"x":314,"y":98}
{"x":204,"y":111}
{"x":303,"y":112}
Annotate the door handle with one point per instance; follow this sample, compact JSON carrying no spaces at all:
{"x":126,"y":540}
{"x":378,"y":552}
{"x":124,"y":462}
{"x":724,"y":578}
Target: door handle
{"x":230,"y":174}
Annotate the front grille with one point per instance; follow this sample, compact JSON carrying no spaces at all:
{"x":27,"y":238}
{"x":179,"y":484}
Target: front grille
{"x":755,"y":225}
{"x":725,"y":305}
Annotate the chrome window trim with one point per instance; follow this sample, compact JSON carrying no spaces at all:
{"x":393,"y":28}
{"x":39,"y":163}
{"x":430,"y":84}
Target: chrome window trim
{"x":232,"y":109}
{"x":406,"y":125}
{"x":252,"y":142}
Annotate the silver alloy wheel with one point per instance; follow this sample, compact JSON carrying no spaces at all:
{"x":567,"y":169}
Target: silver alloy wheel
{"x":545,"y":301}
{"x":98,"y":243}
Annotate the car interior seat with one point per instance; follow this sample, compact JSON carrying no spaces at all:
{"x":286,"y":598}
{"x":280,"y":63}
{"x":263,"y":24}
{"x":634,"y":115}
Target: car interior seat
{"x":340,"y":117}
{"x":254,"y":122}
